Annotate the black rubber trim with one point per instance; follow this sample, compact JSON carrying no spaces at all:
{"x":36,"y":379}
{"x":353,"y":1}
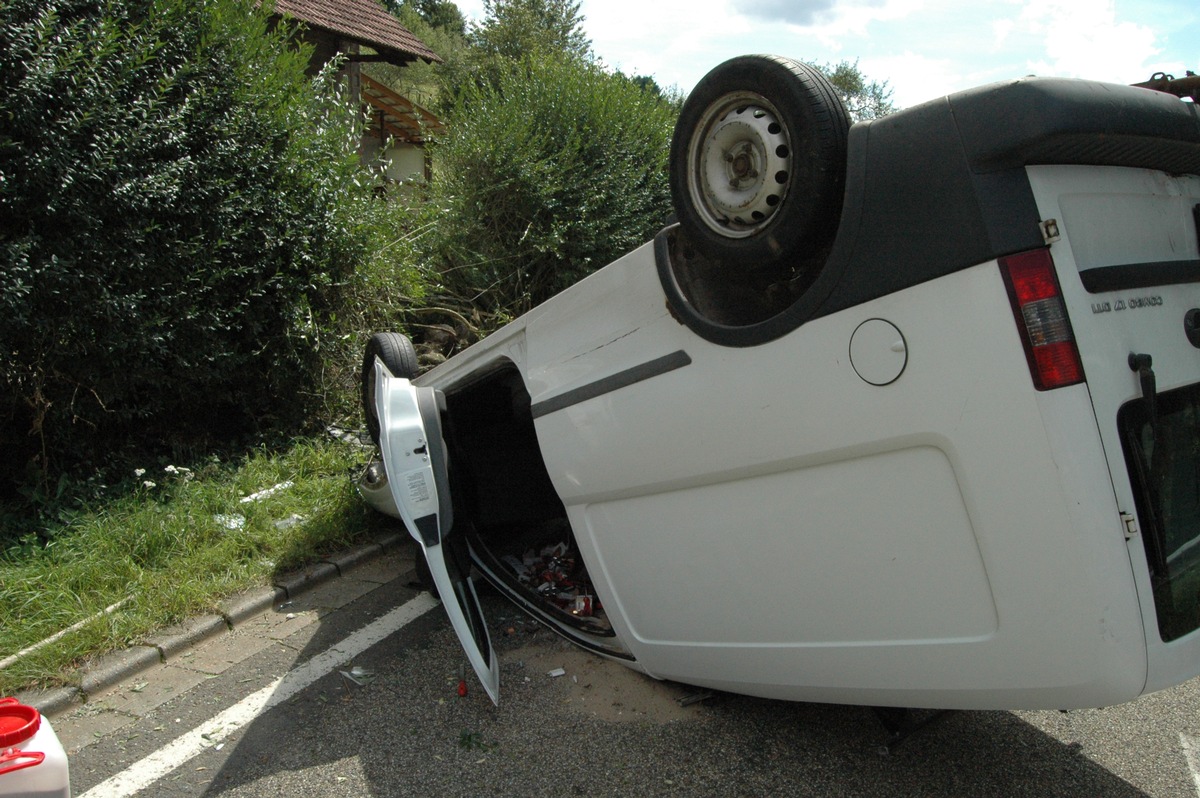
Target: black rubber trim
{"x":427,"y":528}
{"x":942,"y":186}
{"x":1140,"y":275}
{"x":622,"y":379}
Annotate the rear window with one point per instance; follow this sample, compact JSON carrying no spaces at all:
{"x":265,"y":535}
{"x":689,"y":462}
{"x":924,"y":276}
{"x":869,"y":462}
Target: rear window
{"x":1163,"y":455}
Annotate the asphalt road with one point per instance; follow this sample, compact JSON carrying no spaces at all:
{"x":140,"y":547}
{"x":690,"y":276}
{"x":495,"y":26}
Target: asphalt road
{"x":265,"y":711}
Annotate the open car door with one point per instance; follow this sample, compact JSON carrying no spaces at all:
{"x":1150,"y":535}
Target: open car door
{"x":414,"y":456}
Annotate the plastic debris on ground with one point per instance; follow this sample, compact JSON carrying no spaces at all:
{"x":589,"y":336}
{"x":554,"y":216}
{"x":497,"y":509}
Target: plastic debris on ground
{"x":267,"y":492}
{"x":556,"y":574}
{"x":359,"y":676}
{"x":353,"y":437}
{"x":289,"y":522}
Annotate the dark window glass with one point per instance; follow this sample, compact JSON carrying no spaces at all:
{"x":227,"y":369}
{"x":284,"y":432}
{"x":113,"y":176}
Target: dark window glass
{"x":1163,"y":455}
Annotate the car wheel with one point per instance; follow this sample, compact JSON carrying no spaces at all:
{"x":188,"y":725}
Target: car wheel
{"x":398,"y":356}
{"x":758,"y":162}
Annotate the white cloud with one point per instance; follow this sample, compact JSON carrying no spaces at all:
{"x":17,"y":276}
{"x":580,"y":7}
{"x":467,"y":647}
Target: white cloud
{"x":1083,"y":38}
{"x":792,"y":12}
{"x":678,"y":41}
{"x":1001,"y":29}
{"x":914,"y":78}
{"x":675,"y":41}
{"x":471,"y":9}
{"x":923,"y":48}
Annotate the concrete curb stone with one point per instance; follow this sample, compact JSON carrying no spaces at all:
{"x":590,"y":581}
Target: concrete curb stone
{"x":52,"y":701}
{"x":115,"y":667}
{"x":181,"y":636}
{"x":118,"y":666}
{"x":244,"y":606}
{"x":390,"y":540}
{"x":297,"y":582}
{"x":348,"y":559}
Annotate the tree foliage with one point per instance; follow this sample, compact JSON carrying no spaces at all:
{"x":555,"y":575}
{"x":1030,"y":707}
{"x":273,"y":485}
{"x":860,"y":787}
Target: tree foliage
{"x":864,"y":98}
{"x":530,"y":29}
{"x":553,"y":166}
{"x":176,"y":214}
{"x":440,"y":15}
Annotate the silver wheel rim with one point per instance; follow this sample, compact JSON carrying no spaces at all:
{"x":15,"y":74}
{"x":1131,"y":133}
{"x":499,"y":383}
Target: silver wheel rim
{"x":741,"y":164}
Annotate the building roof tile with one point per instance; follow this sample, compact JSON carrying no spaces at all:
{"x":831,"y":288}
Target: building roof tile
{"x":364,"y":21}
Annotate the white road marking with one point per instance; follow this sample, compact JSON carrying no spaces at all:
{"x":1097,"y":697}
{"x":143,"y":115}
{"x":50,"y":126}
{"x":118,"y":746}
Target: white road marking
{"x":147,"y":771}
{"x":1192,"y":753}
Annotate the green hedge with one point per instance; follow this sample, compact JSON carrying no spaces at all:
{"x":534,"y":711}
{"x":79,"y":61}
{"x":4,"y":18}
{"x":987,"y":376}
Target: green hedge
{"x":178,"y":206}
{"x":551,"y":169}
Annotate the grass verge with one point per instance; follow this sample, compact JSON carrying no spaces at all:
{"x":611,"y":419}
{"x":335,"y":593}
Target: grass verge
{"x":186,"y":538}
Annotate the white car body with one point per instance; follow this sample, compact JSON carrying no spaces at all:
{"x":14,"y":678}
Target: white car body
{"x":870,"y":503}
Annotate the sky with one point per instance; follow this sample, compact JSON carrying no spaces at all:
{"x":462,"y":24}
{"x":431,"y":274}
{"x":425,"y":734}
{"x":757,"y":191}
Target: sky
{"x":922,"y":48}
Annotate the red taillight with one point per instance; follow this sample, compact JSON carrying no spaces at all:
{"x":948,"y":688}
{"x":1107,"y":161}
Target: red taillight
{"x":1042,"y":319}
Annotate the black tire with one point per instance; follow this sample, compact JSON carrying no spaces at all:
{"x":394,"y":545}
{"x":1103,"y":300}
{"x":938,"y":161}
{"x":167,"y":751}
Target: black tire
{"x":758,"y":162}
{"x":398,"y":356}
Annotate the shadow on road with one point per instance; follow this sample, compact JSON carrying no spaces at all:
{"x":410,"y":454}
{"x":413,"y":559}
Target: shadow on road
{"x":596,"y":732}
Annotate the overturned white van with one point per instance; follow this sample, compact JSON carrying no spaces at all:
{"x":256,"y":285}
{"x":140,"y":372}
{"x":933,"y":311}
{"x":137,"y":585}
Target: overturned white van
{"x":904,"y":413}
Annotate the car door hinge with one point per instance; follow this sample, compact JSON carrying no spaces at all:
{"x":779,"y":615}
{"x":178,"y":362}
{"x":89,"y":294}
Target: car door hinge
{"x":1050,"y":232}
{"x":1130,"y":525}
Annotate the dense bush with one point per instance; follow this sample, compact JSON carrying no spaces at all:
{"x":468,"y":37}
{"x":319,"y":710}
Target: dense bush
{"x":550,"y":170}
{"x":178,"y":206}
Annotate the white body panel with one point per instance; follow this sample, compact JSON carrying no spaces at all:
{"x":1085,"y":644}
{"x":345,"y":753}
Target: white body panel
{"x":765,"y":520}
{"x":406,"y":442}
{"x":828,"y":475}
{"x":1115,"y":216}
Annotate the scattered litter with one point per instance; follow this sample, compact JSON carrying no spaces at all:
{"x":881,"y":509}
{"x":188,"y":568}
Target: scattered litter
{"x":694,"y":698}
{"x":358,"y":675}
{"x":230,"y":522}
{"x":290,"y":616}
{"x":359,"y":437}
{"x":218,"y":747}
{"x":289,"y":522}
{"x":139,"y":687}
{"x":557,"y":575}
{"x":267,"y":492}
{"x":554,"y":674}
